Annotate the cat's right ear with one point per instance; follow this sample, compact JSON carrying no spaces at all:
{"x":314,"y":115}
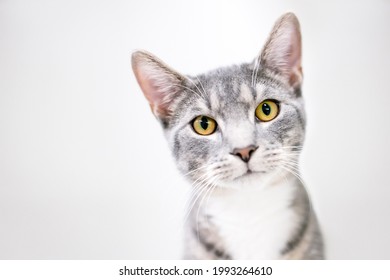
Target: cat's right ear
{"x":159,"y":83}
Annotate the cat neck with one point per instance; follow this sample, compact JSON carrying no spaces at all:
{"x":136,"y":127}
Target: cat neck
{"x":256,"y":223}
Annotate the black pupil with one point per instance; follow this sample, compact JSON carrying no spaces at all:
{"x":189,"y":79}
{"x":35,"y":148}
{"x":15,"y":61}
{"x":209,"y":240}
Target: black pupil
{"x":266,"y":109}
{"x":204,"y":123}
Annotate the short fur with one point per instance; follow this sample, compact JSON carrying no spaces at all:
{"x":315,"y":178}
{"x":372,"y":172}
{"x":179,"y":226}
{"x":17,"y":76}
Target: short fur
{"x":255,"y":209}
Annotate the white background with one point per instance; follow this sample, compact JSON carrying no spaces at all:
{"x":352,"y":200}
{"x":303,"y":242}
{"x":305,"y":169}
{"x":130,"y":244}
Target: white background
{"x":85,"y":171}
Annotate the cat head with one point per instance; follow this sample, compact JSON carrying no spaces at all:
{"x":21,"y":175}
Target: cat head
{"x":234,"y":125}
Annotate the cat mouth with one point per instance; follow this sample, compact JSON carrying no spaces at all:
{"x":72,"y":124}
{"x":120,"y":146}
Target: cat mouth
{"x":247,"y":174}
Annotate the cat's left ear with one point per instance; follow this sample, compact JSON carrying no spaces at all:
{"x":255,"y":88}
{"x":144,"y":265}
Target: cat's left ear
{"x":159,"y":83}
{"x":282,"y":51}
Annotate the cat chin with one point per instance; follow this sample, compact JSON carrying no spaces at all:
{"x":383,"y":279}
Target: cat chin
{"x":254,"y":180}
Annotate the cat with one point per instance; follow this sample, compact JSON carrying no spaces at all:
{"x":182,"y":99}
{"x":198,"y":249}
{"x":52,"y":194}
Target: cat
{"x":236,"y":134}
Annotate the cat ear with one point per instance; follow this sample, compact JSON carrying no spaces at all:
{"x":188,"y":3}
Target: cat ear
{"x":282,"y":52}
{"x":158,"y":82}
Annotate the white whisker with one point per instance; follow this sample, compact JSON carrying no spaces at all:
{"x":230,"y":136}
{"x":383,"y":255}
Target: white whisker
{"x":211,"y":183}
{"x":187,"y":88}
{"x":204,"y":91}
{"x":302,"y":182}
{"x":198,"y":190}
{"x":200,"y":92}
{"x":196,"y":169}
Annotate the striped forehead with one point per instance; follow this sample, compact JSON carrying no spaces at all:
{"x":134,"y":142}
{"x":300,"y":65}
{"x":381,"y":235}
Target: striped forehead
{"x":231,"y":99}
{"x":229,"y":93}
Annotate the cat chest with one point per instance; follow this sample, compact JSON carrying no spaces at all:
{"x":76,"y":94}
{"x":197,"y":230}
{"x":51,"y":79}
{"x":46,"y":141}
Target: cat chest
{"x":253,"y":226}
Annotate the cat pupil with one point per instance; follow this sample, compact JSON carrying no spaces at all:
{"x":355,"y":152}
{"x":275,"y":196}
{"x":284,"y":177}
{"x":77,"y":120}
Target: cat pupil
{"x":204,"y":123}
{"x":266,"y":109}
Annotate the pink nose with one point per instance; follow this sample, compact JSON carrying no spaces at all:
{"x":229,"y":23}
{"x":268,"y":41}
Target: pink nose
{"x":245,"y":153}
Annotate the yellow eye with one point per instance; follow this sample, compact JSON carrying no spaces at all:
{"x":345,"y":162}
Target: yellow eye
{"x":204,"y":125}
{"x":267,"y":110}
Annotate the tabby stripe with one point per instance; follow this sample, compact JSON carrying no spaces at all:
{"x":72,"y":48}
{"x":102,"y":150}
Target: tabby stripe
{"x":210,"y":247}
{"x":294,"y":242}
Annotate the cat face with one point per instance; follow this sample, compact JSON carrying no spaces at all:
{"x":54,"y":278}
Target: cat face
{"x":234,"y":126}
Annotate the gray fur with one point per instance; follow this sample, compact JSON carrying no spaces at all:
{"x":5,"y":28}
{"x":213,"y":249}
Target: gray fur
{"x":230,"y":96}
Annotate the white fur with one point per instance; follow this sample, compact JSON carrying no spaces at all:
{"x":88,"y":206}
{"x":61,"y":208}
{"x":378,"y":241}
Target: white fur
{"x":240,"y":134}
{"x":246,"y":95}
{"x":215,"y":103}
{"x":254,"y":222}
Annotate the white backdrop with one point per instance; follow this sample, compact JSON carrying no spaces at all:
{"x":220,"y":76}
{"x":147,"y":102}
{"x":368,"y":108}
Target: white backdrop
{"x":84,"y":169}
